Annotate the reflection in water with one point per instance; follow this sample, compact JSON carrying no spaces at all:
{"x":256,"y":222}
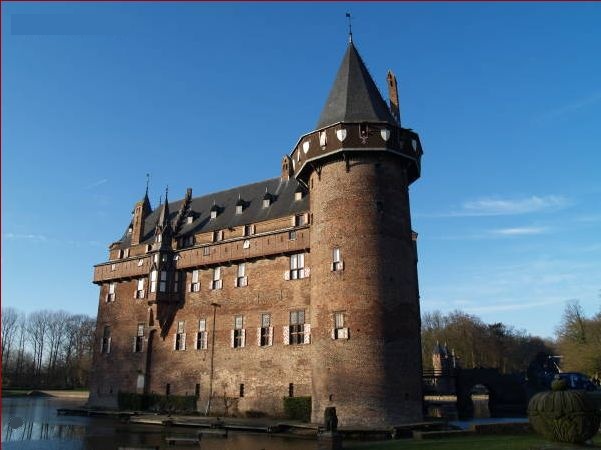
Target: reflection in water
{"x":43,"y":429}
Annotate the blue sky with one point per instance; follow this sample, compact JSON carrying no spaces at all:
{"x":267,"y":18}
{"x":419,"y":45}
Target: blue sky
{"x":506,"y":98}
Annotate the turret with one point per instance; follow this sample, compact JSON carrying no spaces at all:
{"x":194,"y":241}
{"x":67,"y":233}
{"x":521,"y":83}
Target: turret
{"x":141,"y":212}
{"x":365,"y":318}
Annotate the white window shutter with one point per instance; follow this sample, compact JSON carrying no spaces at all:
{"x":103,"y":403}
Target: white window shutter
{"x":198,"y":336}
{"x":341,"y":265}
{"x":293,"y":221}
{"x":183,"y":341}
{"x":270,"y":339}
{"x":307,"y":333}
{"x":134,"y":344}
{"x":259,"y":337}
{"x":232,"y":338}
{"x":343,"y":334}
{"x":175,"y":341}
{"x":252,"y":229}
{"x":286,"y":275}
{"x":243,"y":344}
{"x":108,"y":347}
{"x":333,"y":333}
{"x":286,"y":335}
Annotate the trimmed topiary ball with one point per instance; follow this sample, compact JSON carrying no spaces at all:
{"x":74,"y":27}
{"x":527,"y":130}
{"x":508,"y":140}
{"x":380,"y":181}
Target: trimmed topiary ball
{"x":562,"y":415}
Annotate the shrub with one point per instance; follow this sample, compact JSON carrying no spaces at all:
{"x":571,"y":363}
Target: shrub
{"x":298,"y":408}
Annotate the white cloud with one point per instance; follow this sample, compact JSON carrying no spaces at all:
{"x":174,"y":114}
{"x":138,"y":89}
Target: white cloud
{"x":511,"y":306}
{"x":519,"y":231}
{"x":491,"y":206}
{"x":25,"y":236}
{"x":97,"y":183}
{"x":591,"y":99}
{"x":500,"y":207}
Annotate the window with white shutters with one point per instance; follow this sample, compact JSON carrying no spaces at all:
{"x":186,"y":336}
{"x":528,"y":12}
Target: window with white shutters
{"x":340,"y":331}
{"x":110,"y":297}
{"x":217,"y":282}
{"x":301,"y":219}
{"x":201,"y":336}
{"x":297,"y":267}
{"x":241,"y":279}
{"x":138,"y":344}
{"x":337,"y":263}
{"x":249,"y":230}
{"x":265,"y":331}
{"x":153,"y":280}
{"x":140,"y":288}
{"x":297,"y":327}
{"x":195,"y":284}
{"x":217,"y":235}
{"x":238,"y":333}
{"x":179,"y":342}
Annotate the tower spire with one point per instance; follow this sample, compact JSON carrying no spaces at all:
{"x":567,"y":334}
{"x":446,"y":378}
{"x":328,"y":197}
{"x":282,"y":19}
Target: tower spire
{"x":350,"y":28}
{"x":147,"y":182}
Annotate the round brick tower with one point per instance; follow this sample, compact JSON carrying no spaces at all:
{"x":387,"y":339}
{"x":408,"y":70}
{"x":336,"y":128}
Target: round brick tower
{"x":365,"y":317}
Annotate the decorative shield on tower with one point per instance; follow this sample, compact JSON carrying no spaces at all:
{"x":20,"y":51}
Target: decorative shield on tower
{"x":341,"y":134}
{"x":385,"y":133}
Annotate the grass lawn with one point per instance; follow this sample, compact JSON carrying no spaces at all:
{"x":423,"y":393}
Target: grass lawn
{"x":499,"y":442}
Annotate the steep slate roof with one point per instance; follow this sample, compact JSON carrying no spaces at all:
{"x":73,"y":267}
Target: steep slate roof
{"x":282,"y":205}
{"x":354,"y":96}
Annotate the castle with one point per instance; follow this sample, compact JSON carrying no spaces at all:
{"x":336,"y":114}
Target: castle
{"x":300,"y":285}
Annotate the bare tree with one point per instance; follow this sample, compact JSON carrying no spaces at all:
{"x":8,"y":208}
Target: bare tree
{"x":10,"y":325}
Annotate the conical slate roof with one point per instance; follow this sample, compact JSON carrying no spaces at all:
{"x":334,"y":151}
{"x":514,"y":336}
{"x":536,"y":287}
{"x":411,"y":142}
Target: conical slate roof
{"x":354,"y":96}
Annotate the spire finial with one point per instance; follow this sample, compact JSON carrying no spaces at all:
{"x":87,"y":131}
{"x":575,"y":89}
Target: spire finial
{"x":147,"y":182}
{"x":166,"y":192}
{"x":350,"y":28}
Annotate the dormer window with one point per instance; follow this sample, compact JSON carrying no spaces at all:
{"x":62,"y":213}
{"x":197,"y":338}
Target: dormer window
{"x":240,"y":204}
{"x":267,"y":199}
{"x":148,"y":248}
{"x":298,"y":195}
{"x":214,"y":211}
{"x":217,"y":235}
{"x":189,"y":219}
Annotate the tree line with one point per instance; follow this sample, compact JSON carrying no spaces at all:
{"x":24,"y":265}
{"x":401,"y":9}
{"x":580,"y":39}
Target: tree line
{"x":577,"y":342}
{"x":49,"y":349}
{"x":478,"y":344}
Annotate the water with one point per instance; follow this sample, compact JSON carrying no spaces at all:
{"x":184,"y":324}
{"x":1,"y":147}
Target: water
{"x":43,"y":429}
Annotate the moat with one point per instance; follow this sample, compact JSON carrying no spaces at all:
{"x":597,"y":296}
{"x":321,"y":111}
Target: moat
{"x":42,"y":428}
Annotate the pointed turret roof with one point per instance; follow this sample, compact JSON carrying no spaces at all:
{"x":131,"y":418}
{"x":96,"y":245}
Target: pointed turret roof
{"x":164,"y":215}
{"x":354,"y":96}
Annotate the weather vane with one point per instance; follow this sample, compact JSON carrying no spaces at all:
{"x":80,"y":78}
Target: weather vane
{"x":350,"y":29}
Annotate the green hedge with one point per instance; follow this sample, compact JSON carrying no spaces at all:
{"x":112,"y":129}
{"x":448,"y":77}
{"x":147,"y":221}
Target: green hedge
{"x":298,"y":408}
{"x":154,"y":402}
